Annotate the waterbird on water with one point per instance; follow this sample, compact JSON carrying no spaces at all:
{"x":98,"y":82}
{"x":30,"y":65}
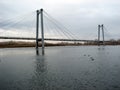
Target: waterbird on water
{"x":88,"y":55}
{"x":92,"y":58}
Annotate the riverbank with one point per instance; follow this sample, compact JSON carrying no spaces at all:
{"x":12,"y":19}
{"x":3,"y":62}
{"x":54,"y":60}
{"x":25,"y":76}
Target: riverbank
{"x":14,"y":44}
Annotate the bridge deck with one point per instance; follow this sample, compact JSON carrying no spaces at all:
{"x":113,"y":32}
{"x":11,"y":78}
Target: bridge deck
{"x":47,"y":39}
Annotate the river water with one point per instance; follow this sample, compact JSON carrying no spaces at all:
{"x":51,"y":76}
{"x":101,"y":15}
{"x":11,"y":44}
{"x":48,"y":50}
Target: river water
{"x":61,"y":68}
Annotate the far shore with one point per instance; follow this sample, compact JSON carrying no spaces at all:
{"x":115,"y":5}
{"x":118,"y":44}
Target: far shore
{"x":14,"y":44}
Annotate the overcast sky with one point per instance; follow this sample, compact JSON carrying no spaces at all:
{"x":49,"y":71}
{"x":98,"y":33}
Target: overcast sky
{"x":80,"y":16}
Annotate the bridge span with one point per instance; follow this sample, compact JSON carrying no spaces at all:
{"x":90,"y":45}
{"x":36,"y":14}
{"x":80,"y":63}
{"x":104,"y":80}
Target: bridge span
{"x":69,"y":35}
{"x":47,"y":39}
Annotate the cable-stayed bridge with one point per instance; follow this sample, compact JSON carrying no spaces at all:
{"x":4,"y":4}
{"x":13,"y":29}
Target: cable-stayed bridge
{"x":16,"y":28}
{"x":40,"y":27}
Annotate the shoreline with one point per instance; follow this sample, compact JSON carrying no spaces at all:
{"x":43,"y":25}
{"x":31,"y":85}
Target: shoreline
{"x":20,"y":44}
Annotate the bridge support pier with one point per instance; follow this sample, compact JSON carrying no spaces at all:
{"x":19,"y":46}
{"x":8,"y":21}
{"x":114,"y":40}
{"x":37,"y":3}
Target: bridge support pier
{"x":40,"y":12}
{"x":101,"y":27}
{"x":37,"y":28}
{"x":42,"y":31}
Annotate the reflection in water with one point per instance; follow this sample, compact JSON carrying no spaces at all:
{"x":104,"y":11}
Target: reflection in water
{"x":101,"y":47}
{"x":38,"y":52}
{"x":38,"y":81}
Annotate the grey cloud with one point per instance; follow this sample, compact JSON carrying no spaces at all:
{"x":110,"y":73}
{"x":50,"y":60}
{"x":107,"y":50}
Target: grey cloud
{"x":80,"y":16}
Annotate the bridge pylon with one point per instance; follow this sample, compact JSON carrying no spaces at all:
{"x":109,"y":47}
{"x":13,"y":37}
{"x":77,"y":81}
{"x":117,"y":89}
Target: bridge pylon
{"x":101,"y":28}
{"x":39,"y":12}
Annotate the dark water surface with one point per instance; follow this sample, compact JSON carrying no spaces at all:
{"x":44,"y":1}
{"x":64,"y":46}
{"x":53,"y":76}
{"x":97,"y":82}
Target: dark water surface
{"x":61,"y":68}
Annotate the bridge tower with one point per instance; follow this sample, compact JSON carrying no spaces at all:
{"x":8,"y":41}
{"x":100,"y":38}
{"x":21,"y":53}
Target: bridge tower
{"x":39,"y":12}
{"x":101,"y":28}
